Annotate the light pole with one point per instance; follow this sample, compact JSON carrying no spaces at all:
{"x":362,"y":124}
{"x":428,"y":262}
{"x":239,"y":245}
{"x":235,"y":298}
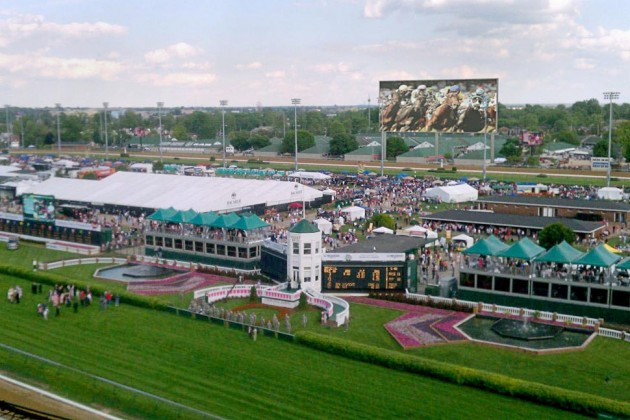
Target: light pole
{"x":58,"y":106}
{"x":484,"y":104}
{"x":223,"y":104}
{"x":369,"y":114}
{"x":9,"y":132}
{"x":295,"y":102}
{"x":610,"y":96}
{"x":160,"y":105}
{"x":105,"y":105}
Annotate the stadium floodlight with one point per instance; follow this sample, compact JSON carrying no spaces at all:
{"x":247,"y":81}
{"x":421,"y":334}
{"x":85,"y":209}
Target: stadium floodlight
{"x":295,"y":102}
{"x":105,"y":105}
{"x":223,"y":104}
{"x":160,"y":105}
{"x":610,"y":96}
{"x":58,"y":107}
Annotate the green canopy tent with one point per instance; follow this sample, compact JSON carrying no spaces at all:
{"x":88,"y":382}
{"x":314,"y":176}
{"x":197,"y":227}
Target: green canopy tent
{"x":524,"y":249}
{"x":162,"y":214}
{"x":249,"y":222}
{"x":182,"y":217}
{"x":225,"y":220}
{"x":624,"y":265}
{"x":560,"y":253}
{"x":598,"y":257}
{"x":204,"y":219}
{"x":487,"y":246}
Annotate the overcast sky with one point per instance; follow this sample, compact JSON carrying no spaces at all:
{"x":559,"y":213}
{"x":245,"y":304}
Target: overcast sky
{"x":326,"y":52}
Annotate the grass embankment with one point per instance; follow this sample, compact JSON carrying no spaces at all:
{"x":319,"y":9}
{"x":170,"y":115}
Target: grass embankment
{"x":220,"y":371}
{"x":600,"y":369}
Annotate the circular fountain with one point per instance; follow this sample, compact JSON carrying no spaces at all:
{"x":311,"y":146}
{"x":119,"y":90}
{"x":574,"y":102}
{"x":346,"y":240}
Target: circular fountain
{"x":525,"y":329}
{"x":525,"y":334}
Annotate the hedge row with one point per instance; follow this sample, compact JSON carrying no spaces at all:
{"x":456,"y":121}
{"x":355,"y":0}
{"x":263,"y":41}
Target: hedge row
{"x":97,"y":290}
{"x":575,"y":401}
{"x":452,"y":305}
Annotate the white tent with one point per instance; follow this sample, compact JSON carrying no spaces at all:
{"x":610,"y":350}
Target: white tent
{"x":463,"y":239}
{"x":315,"y":176}
{"x":420,"y":231}
{"x":382,"y":230}
{"x":323,"y":225}
{"x":353,"y":212}
{"x":159,"y":191}
{"x":610,"y":193}
{"x":453,"y":194}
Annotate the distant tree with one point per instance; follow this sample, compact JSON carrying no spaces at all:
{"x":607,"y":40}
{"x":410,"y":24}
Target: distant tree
{"x":336,"y":128}
{"x":240,"y":140}
{"x":258,"y":141}
{"x":601,"y":148}
{"x":554,"y":234}
{"x":343,"y":143}
{"x":179,"y":132}
{"x":511,"y":150}
{"x":384,"y":220}
{"x":567,"y":137}
{"x":49,"y":138}
{"x":395,"y":146}
{"x":305,"y":140}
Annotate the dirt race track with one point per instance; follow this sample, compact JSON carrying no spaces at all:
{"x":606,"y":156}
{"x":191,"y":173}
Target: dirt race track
{"x":23,"y":397}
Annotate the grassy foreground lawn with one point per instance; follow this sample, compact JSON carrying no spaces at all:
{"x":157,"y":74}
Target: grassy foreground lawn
{"x":219,"y":371}
{"x":601,"y":369}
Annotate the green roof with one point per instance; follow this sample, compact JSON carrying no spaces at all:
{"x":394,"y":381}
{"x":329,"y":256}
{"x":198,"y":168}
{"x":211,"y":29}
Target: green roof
{"x":560,"y":253}
{"x":304,"y":226}
{"x":487,"y":246}
{"x":624,"y":265}
{"x":524,"y":249}
{"x":598,"y":257}
{"x":366,"y":151}
{"x":558,"y":145}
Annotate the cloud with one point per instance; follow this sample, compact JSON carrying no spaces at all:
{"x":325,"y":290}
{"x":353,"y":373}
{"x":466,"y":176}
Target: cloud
{"x":584,"y":64}
{"x":59,"y":68}
{"x":328,"y":68}
{"x":249,"y":66}
{"x":177,"y":79}
{"x":176,"y":51}
{"x":278,"y":74}
{"x":24,"y":26}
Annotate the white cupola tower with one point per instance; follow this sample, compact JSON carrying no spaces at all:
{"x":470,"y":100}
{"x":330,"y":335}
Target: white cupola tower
{"x":304,"y":256}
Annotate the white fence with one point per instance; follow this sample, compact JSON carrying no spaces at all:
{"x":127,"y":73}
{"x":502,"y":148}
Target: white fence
{"x":327,"y":303}
{"x":188,"y":265}
{"x":80,"y":261}
{"x":526,"y":313}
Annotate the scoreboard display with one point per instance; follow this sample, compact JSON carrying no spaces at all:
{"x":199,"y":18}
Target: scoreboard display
{"x":385,"y":277}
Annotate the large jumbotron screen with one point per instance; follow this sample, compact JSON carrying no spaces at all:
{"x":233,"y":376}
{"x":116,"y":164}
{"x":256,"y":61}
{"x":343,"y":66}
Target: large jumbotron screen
{"x":451,"y":106}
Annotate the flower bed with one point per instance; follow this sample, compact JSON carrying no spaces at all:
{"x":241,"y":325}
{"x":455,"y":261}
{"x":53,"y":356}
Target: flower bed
{"x":177,"y":284}
{"x":420,"y":325}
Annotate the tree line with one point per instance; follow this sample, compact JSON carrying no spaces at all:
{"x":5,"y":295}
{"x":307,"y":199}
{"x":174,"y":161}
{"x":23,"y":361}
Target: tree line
{"x":254,"y":128}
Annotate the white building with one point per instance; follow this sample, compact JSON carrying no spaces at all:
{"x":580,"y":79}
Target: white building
{"x":304,"y":256}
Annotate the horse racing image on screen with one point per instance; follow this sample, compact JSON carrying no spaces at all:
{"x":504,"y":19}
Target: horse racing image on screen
{"x":451,"y":106}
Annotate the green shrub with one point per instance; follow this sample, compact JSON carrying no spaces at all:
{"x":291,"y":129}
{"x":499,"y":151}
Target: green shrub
{"x":213,"y":158}
{"x":542,"y":175}
{"x":303,"y":301}
{"x":454,"y":169}
{"x":544,"y":394}
{"x":253,"y":295}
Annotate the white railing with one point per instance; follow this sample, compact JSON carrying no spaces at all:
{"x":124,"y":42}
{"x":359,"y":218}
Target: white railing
{"x":80,"y":261}
{"x":217,"y":293}
{"x":190,"y":265}
{"x":526,"y":313}
{"x":341,"y":316}
{"x":619,"y":335}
